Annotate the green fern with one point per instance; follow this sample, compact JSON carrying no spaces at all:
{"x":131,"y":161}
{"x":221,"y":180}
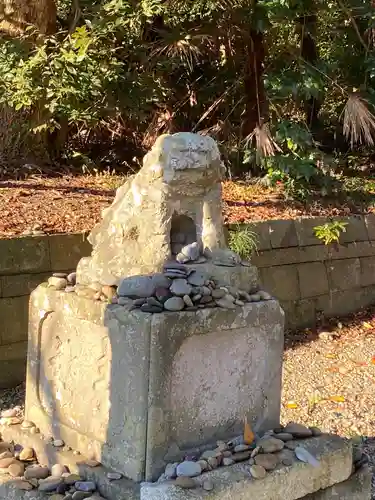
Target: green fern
{"x":243,"y":241}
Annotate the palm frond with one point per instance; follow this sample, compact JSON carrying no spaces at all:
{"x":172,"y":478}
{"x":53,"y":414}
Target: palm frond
{"x":264,"y":142}
{"x":358,"y":122}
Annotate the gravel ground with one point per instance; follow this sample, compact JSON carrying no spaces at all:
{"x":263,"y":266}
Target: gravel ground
{"x":328,"y":381}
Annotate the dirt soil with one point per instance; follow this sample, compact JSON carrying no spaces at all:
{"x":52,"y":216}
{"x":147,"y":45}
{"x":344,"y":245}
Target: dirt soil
{"x":74,"y":203}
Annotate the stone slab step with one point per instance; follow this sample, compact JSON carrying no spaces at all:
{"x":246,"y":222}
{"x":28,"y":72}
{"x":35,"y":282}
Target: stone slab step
{"x":357,"y":487}
{"x":292,"y":482}
{"x":329,"y":481}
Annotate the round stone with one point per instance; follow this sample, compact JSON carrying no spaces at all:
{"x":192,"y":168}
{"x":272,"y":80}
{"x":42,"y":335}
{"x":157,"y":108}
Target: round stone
{"x":181,"y":258}
{"x":315,"y":431}
{"x":27,"y":424}
{"x":287,"y":461}
{"x":71,"y":479}
{"x":266,"y":460}
{"x":57,"y":283}
{"x":198,"y":278}
{"x":241,"y":447}
{"x":203,"y":464}
{"x":151,"y":309}
{"x":191,"y":250}
{"x":188,"y":301}
{"x":188,"y":468}
{"x":228,"y":461}
{"x":298,"y":430}
{"x":162,"y":294}
{"x":57,"y":470}
{"x":49,"y":484}
{"x":214,"y":462}
{"x":72,"y":278}
{"x":284,"y":436}
{"x":6,"y":462}
{"x":27,"y":454}
{"x":81,"y":495}
{"x":270,"y":445}
{"x":142,"y":286}
{"x":36,"y":472}
{"x":264,"y":295}
{"x":85,"y":486}
{"x":224,"y":303}
{"x":209,"y":454}
{"x":185,"y":482}
{"x":240,"y":457}
{"x":171,"y":470}
{"x":291,"y":445}
{"x":58,"y":443}
{"x":114,"y":476}
{"x":174,"y":304}
{"x":6,"y":454}
{"x":180,"y":287}
{"x":17,"y":469}
{"x":258,"y":472}
{"x":218,"y":293}
{"x":208,"y":485}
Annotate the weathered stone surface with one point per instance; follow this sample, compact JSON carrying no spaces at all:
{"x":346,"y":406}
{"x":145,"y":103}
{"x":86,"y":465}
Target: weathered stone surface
{"x":22,"y":255}
{"x":142,"y":286}
{"x":281,"y":281}
{"x":62,"y":326}
{"x":313,"y":279}
{"x":178,"y":189}
{"x":166,"y":383}
{"x":357,"y":487}
{"x":344,"y":274}
{"x":290,"y":483}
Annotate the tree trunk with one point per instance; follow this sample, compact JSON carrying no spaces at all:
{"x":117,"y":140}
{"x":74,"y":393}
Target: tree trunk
{"x":256,"y":105}
{"x":17,"y":15}
{"x":307,"y":26}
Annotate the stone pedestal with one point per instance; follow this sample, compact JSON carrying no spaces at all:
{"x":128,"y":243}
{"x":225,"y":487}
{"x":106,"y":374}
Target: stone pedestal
{"x":136,"y":390}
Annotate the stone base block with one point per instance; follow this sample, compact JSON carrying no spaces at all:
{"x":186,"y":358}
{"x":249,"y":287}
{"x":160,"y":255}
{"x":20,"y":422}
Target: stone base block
{"x":296,"y":481}
{"x":357,"y":487}
{"x":136,"y":390}
{"x":335,"y":464}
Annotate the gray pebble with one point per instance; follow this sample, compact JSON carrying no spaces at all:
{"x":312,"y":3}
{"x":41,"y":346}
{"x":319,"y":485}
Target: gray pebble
{"x":85,"y":486}
{"x":188,"y":468}
{"x":180,"y":287}
{"x":174,"y":304}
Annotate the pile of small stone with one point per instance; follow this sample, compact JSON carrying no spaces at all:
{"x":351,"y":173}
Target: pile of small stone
{"x":26,"y":474}
{"x":177,"y":288}
{"x":275,"y":447}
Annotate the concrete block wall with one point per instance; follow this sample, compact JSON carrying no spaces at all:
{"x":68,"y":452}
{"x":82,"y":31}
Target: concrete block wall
{"x":24,"y":264}
{"x":306,"y":276}
{"x":310,"y":278}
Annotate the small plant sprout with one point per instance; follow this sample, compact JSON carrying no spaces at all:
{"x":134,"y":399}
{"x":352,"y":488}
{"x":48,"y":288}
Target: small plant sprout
{"x":330,"y":232}
{"x":243,"y":241}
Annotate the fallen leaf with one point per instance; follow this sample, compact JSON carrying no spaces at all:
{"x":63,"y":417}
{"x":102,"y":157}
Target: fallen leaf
{"x":337,"y":399}
{"x":373,"y":360}
{"x":367,"y":325}
{"x":331,"y":356}
{"x":248,"y":435}
{"x":291,"y":405}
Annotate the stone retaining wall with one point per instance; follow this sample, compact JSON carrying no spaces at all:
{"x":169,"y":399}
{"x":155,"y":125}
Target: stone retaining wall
{"x":24,"y":263}
{"x":310,"y":278}
{"x":307,"y":277}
